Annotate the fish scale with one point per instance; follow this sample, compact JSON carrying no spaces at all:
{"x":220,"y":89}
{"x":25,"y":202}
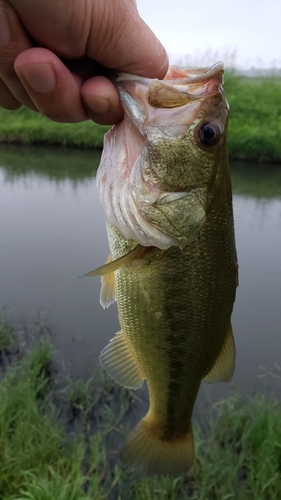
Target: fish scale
{"x":173,"y":265}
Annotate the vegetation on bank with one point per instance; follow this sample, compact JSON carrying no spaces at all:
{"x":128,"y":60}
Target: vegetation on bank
{"x":254,"y":128}
{"x":59,"y":441}
{"x":25,"y":126}
{"x":255,"y":118}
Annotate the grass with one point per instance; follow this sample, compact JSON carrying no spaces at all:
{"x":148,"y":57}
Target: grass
{"x":59,"y":441}
{"x":24,"y":126}
{"x":255,"y":118}
{"x":242,"y":457}
{"x":254,"y":127}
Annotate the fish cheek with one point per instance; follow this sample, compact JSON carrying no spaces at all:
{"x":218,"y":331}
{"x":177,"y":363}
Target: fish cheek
{"x":176,"y":162}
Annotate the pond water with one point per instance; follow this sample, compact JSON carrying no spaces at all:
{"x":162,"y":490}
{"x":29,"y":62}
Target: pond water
{"x":52,"y":231}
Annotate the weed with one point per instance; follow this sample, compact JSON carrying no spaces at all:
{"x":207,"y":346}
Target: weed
{"x":61,"y":443}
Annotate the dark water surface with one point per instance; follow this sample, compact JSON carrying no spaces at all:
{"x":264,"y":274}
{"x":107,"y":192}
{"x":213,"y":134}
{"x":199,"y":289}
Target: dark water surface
{"x":52,"y":231}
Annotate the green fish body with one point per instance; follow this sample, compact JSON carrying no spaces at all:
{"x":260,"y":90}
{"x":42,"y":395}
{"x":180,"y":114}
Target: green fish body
{"x":175,"y":277}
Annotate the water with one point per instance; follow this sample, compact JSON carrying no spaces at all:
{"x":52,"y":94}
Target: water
{"x":52,"y":231}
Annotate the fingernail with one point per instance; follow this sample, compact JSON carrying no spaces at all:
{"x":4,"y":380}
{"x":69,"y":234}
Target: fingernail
{"x":97,"y":103}
{"x":41,"y":78}
{"x":5,"y":32}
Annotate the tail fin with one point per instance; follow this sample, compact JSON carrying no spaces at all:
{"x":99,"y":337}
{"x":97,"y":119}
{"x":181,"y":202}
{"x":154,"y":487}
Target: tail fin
{"x":145,"y":453}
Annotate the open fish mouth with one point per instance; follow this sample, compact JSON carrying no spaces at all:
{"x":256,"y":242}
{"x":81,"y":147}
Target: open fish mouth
{"x":173,"y":92}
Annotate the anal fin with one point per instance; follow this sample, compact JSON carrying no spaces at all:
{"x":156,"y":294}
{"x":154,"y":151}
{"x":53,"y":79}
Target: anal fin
{"x":118,"y":360}
{"x":223,"y":367}
{"x":107,"y":292}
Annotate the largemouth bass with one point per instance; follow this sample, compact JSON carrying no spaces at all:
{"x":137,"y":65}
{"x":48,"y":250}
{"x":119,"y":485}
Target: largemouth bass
{"x":164,"y":184}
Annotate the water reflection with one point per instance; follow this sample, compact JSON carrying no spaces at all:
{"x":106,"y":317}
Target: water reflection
{"x":52,"y":231}
{"x":54,"y":164}
{"x":256,"y":179}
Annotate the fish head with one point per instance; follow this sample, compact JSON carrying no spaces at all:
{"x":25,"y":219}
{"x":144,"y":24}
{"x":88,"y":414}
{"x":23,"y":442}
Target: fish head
{"x":164,"y":163}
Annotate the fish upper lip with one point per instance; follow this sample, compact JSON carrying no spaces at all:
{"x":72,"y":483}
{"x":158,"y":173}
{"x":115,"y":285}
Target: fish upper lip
{"x":206,"y":73}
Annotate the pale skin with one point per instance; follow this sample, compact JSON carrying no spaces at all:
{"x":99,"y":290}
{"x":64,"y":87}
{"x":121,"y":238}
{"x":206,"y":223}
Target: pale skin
{"x":54,"y":54}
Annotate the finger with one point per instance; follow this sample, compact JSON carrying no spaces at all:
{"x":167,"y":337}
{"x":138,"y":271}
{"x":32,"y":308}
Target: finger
{"x":54,"y":90}
{"x":61,"y":26}
{"x":13,"y":40}
{"x":120,"y":39}
{"x":101,"y":101}
{"x":7,"y":100}
{"x":110,"y":32}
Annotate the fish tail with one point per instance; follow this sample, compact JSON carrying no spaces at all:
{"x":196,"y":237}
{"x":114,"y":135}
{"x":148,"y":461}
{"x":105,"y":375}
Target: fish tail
{"x":146,"y":453}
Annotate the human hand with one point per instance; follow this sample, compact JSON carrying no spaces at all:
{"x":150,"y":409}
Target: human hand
{"x":53,"y":56}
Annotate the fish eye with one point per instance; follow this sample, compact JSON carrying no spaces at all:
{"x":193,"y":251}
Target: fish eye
{"x":209,"y":133}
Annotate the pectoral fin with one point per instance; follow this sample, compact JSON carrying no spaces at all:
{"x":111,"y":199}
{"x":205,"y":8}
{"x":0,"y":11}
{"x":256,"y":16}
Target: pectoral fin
{"x":107,"y":291}
{"x":118,"y":360}
{"x":135,"y":254}
{"x":223,"y":367}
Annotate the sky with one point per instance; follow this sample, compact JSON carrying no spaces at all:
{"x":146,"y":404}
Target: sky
{"x":243,"y":33}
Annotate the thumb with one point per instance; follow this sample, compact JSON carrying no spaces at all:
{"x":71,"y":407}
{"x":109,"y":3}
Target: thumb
{"x":110,"y":32}
{"x":120,"y":39}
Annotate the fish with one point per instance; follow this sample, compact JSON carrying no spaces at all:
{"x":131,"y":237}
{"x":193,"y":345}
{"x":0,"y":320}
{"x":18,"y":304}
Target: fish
{"x":165,"y":188}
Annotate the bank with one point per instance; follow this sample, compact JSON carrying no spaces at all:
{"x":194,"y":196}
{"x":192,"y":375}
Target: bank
{"x":59,"y":438}
{"x":254,"y":126}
